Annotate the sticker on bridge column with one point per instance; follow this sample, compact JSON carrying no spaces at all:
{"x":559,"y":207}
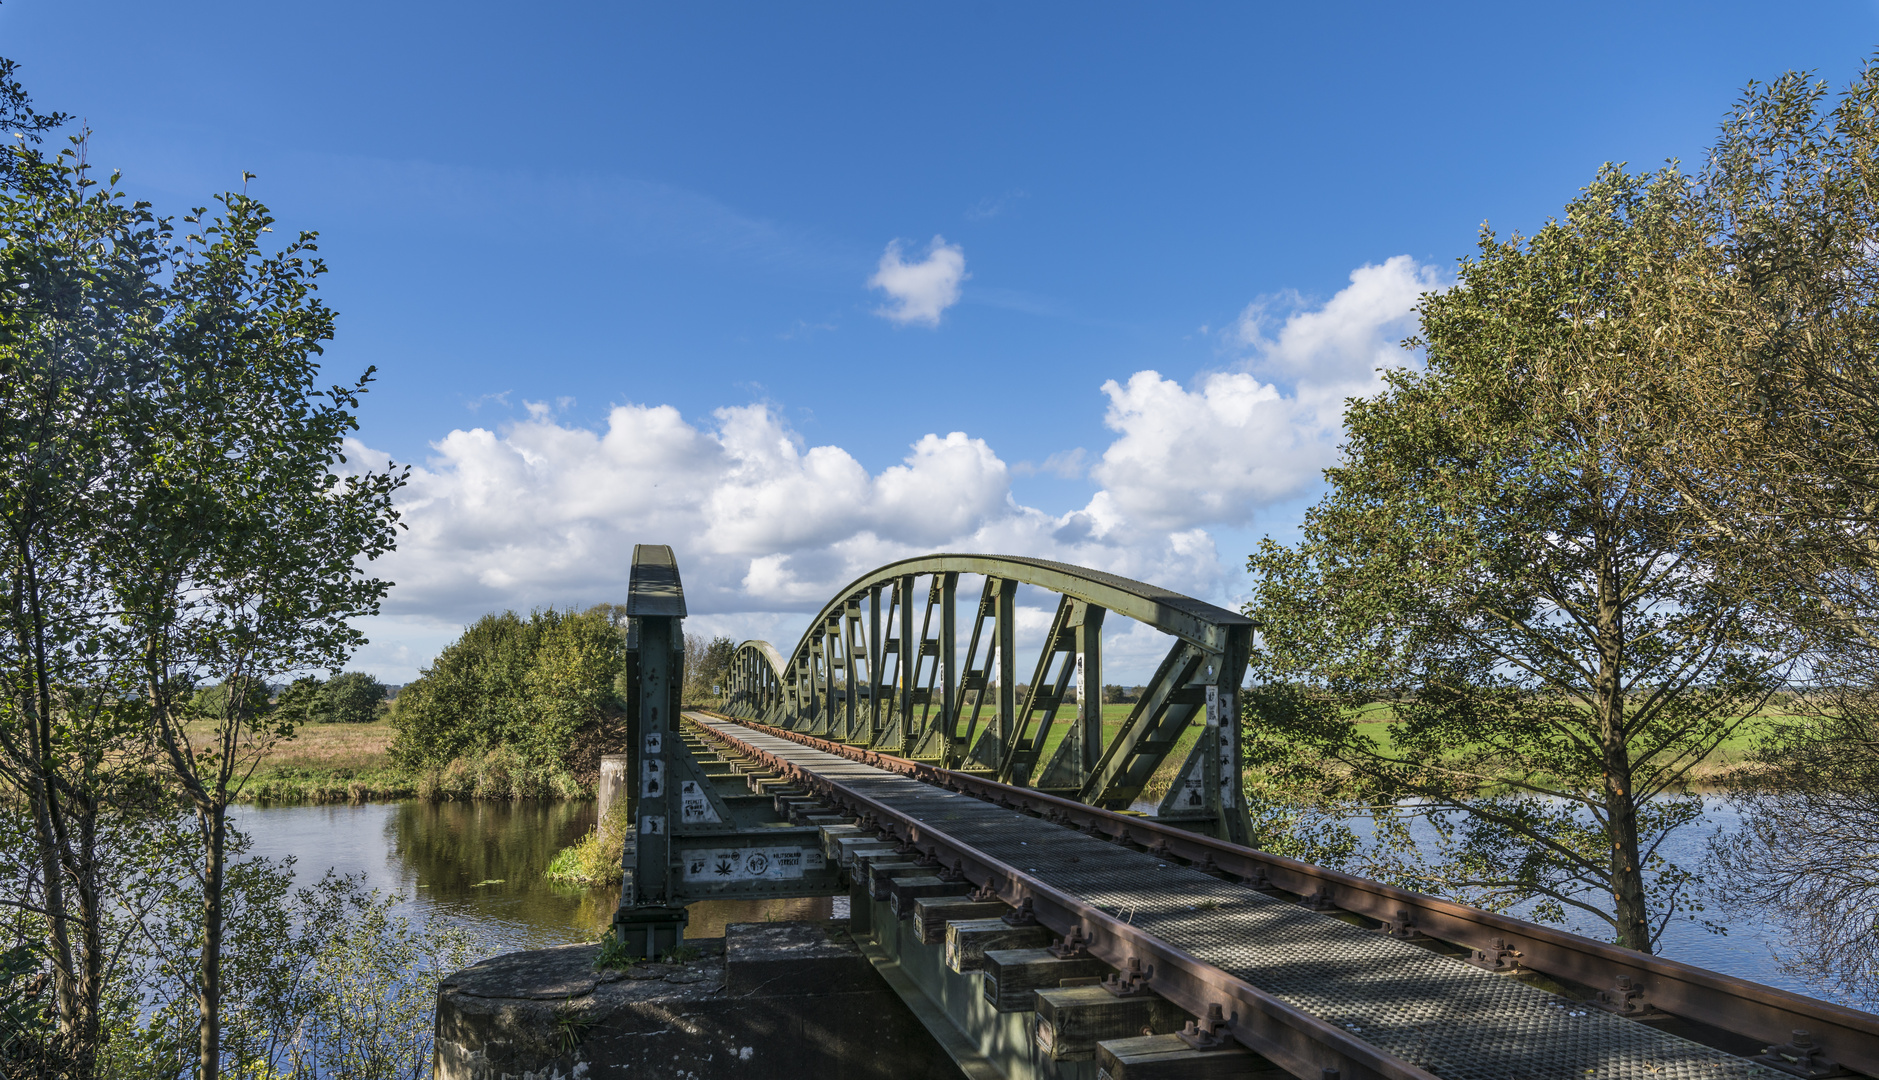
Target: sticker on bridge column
{"x":751,"y":864}
{"x":653,"y":739}
{"x":1220,"y":715}
{"x":1193,"y":788}
{"x":694,"y":806}
{"x":652,"y":778}
{"x":652,"y":825}
{"x":1083,"y":703}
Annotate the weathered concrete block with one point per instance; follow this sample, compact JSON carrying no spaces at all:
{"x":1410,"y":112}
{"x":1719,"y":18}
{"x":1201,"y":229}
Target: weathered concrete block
{"x":616,"y":781}
{"x":1012,"y":976}
{"x":789,"y":958}
{"x":1071,"y":1020}
{"x":967,"y":940}
{"x":784,"y":1001}
{"x":1166,"y":1057}
{"x":932,"y":913}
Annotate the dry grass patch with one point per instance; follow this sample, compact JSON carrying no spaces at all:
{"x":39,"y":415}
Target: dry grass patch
{"x":323,"y":747}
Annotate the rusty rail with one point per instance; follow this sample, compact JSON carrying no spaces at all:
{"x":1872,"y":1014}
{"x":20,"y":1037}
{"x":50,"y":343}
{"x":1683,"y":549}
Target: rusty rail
{"x":1301,"y":1043}
{"x":1724,"y":1002}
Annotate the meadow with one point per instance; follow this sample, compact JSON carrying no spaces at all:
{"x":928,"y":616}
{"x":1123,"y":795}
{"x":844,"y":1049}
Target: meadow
{"x":328,"y":763}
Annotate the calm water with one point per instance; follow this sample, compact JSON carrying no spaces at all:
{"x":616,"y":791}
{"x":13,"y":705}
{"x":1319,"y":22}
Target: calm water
{"x":1751,"y":949}
{"x":480,"y":865}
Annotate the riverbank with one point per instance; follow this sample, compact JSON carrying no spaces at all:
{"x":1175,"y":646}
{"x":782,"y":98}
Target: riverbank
{"x":351,"y":763}
{"x":330,"y":763}
{"x":325,"y":764}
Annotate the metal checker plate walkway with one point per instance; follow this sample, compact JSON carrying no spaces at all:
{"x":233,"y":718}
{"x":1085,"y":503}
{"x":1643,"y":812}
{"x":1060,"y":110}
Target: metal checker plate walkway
{"x":1455,"y":1021}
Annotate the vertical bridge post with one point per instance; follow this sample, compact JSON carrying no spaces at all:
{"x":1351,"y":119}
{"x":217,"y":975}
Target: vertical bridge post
{"x":649,"y":916}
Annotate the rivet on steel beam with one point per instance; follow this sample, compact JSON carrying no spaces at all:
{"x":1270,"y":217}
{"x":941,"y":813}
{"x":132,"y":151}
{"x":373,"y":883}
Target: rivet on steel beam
{"x":1402,"y":927}
{"x":984,"y":892}
{"x":1320,"y":900}
{"x":1625,"y":998}
{"x":956,"y":873}
{"x":1500,"y":955}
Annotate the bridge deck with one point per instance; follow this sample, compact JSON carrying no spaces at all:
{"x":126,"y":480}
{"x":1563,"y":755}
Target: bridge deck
{"x":1429,"y":1010}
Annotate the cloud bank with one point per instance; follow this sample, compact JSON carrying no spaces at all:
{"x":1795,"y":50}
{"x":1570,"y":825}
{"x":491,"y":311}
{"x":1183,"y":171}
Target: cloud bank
{"x":767,"y":528}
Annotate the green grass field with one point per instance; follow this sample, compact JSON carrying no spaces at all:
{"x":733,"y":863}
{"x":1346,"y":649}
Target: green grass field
{"x":1728,"y":756}
{"x":352,"y":762}
{"x":1725,"y":759}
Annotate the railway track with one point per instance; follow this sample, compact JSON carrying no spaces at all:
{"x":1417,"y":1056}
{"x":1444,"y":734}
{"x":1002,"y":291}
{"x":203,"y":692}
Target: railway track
{"x":1316,"y":969}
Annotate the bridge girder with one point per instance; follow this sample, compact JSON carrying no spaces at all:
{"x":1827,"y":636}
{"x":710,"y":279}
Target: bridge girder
{"x":864,"y":675}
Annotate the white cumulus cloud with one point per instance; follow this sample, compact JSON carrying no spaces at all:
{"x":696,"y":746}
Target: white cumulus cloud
{"x":919,"y":291}
{"x":1234,"y":442}
{"x":767,"y":528}
{"x":1211,"y":454}
{"x":541,"y":513}
{"x":1338,"y":347}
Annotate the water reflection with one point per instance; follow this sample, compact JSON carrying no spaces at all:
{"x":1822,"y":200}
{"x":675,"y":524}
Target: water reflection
{"x":478,"y":865}
{"x":485,"y":863}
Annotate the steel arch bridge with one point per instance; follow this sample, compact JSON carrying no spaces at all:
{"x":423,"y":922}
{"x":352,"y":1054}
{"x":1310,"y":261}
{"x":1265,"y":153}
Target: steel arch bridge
{"x":881,"y":666}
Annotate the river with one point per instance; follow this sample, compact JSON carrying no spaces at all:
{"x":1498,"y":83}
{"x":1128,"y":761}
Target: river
{"x":480,"y":865}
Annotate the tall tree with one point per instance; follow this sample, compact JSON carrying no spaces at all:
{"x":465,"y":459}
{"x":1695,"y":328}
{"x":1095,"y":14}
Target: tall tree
{"x":707,"y":665}
{"x":1494,"y":565}
{"x":242,"y":557}
{"x":352,"y":697}
{"x":1784,"y":467}
{"x":173,"y":517}
{"x":81,"y":323}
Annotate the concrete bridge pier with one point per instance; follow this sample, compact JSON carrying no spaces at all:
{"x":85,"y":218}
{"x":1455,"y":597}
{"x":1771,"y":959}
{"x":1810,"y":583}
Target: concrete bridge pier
{"x":769,"y":1001}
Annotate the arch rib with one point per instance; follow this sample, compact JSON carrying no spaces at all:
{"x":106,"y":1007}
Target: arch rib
{"x":867,"y":672}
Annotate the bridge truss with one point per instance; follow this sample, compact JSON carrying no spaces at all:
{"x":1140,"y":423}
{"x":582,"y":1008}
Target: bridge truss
{"x":890,"y":665}
{"x":882,"y":759}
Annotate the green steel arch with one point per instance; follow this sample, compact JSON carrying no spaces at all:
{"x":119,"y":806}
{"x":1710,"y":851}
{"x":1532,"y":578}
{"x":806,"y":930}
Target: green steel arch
{"x":880,"y":666}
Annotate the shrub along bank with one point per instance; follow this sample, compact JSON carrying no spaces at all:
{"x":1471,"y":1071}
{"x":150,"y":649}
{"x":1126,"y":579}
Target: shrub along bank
{"x":515,"y":708}
{"x":519,"y":707}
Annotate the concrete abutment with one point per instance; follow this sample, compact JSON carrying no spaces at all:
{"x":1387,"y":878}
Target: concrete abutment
{"x":770,"y":1001}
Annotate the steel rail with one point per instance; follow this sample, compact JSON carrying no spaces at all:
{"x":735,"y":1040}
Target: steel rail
{"x":1733,"y":1005}
{"x":1291,"y":1038}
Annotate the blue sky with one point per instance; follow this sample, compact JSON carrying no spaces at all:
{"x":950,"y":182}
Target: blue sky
{"x":614,"y":262}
